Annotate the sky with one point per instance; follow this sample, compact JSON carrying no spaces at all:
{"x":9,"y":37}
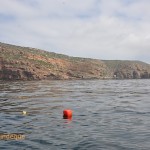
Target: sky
{"x":101,"y":29}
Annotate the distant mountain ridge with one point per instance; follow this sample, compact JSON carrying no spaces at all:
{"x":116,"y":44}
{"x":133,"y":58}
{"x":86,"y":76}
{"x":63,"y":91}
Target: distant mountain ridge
{"x":25,"y":63}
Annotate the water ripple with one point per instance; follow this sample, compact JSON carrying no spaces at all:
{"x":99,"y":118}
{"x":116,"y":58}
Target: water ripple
{"x":107,"y":114}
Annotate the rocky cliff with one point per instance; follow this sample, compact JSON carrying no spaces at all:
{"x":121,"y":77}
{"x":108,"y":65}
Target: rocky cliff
{"x":24,"y":63}
{"x":128,"y":69}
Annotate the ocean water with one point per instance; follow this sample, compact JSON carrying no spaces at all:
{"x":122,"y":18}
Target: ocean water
{"x":107,"y":114}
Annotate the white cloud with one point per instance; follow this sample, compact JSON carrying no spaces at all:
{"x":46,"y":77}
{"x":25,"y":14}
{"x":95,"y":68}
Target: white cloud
{"x":91,"y":28}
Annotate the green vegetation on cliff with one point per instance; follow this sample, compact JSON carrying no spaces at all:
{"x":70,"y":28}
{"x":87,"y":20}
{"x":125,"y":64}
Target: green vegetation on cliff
{"x":24,"y":63}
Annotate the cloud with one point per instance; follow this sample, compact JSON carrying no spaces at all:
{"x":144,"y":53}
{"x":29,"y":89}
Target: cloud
{"x":100,"y":29}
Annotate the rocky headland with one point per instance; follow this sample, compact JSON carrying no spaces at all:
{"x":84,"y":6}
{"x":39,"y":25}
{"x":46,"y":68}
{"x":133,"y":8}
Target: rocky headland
{"x":24,"y":63}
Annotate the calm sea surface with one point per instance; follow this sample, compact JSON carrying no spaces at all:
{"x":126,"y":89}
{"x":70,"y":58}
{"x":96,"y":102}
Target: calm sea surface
{"x":107,"y":114}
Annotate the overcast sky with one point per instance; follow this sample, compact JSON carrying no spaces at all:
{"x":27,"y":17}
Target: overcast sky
{"x":102,"y":29}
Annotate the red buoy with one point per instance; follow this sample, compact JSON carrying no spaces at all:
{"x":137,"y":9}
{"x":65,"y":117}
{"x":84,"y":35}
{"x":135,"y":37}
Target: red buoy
{"x":67,"y":114}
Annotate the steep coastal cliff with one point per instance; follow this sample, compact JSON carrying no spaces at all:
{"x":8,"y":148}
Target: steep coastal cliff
{"x":24,"y":63}
{"x":129,"y":69}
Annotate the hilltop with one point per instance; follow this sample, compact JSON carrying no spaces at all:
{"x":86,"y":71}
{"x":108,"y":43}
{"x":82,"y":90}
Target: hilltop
{"x":25,"y":63}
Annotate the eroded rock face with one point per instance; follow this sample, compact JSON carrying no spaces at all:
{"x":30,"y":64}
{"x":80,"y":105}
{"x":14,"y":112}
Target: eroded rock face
{"x":22,"y":63}
{"x":133,"y":71}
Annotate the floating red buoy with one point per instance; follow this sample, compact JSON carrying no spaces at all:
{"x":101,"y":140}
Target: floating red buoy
{"x":67,"y":114}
